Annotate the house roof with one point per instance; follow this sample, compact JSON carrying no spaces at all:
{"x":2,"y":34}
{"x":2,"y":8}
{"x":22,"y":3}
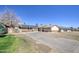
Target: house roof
{"x":27,"y":26}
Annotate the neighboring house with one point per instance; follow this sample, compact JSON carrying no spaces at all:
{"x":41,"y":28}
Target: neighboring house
{"x":45,"y":28}
{"x":65,"y":29}
{"x":55,"y":28}
{"x":27,"y":28}
{"x":77,"y":29}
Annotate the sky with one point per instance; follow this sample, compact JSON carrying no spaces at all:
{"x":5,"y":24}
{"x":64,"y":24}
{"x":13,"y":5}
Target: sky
{"x":62,"y":15}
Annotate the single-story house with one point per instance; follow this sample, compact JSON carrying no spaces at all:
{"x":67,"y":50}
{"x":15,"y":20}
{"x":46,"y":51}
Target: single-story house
{"x":27,"y":28}
{"x":44,"y":29}
{"x":53,"y":28}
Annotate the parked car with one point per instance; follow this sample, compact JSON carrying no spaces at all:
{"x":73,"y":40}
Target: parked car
{"x":3,"y":29}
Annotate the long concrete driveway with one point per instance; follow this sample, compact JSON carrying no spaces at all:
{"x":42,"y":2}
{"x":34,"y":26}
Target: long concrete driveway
{"x":60,"y":44}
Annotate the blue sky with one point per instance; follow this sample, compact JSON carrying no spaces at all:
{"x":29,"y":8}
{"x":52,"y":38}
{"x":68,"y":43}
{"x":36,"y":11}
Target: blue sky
{"x":63,"y":15}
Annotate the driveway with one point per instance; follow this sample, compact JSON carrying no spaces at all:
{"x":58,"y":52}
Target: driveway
{"x":55,"y":41}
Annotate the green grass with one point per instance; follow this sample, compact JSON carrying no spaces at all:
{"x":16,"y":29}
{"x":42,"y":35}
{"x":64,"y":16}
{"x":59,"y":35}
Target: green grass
{"x":8,"y":43}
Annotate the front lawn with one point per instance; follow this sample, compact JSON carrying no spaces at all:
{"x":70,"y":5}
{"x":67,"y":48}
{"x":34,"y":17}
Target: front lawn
{"x":8,"y":43}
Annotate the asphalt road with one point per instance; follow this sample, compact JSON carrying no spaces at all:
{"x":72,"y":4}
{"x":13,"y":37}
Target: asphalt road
{"x":59,"y":44}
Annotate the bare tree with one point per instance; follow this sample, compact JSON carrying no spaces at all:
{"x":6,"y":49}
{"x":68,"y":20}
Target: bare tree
{"x":9,"y":19}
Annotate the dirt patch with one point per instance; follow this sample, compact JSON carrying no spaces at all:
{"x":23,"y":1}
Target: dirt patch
{"x":41,"y":48}
{"x":28,"y":45}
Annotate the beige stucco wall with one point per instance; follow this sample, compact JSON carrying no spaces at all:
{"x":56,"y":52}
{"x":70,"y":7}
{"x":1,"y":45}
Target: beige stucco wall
{"x":54,"y":29}
{"x":10,"y":30}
